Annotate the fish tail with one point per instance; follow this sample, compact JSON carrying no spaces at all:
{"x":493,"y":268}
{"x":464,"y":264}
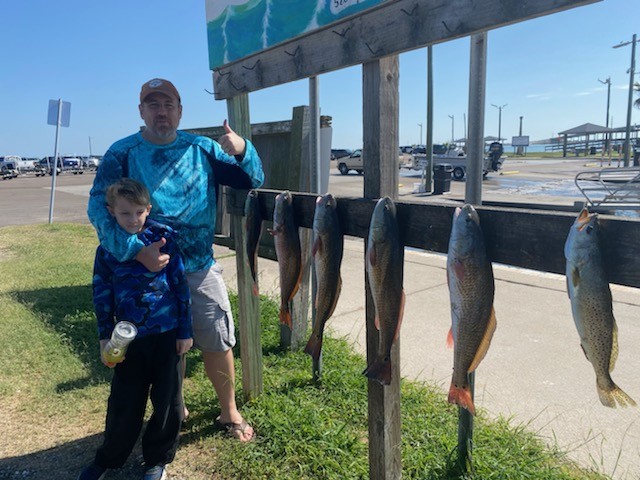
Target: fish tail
{"x":614,"y":397}
{"x":314,"y":346}
{"x":461,"y":396}
{"x":285,"y":317}
{"x":380,"y":370}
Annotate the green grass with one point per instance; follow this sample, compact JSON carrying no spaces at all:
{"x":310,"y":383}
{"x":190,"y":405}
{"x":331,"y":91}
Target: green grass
{"x":51,"y":377}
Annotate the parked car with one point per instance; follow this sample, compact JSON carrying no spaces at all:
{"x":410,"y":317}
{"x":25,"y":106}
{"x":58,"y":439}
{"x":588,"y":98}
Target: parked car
{"x":337,"y":153}
{"x":7,"y":171}
{"x":355,"y":162}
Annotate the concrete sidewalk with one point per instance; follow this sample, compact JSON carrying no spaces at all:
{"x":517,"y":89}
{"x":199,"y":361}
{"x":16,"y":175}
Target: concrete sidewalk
{"x":535,"y":373}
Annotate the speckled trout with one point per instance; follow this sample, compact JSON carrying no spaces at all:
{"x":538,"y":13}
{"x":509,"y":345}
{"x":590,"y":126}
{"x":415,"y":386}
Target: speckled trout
{"x":591,"y":306}
{"x":471,"y":291}
{"x":253,"y":229}
{"x":384,"y":265}
{"x":328,"y":247}
{"x":287,"y":243}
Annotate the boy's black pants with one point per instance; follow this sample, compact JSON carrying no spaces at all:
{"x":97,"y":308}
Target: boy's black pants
{"x":150,"y":363}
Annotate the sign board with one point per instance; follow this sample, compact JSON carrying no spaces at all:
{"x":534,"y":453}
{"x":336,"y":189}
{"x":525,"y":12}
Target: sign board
{"x":65,"y":113}
{"x":522,"y":141}
{"x":238,"y":28}
{"x":382,"y":29}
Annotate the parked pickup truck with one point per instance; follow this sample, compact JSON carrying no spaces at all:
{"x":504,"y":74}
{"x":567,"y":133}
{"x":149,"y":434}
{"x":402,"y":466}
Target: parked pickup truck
{"x":491,"y":162}
{"x":355,"y":162}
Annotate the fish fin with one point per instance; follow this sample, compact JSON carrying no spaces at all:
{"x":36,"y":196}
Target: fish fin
{"x":314,"y":346}
{"x":585,"y":352}
{"x":376,"y":322}
{"x":458,"y":269}
{"x":614,"y":397}
{"x":254,"y":289}
{"x":379,"y":370}
{"x":614,"y":347}
{"x":335,"y":300}
{"x":450,"y":338}
{"x":371,"y":254}
{"x":400,"y":315}
{"x":285,"y":318}
{"x":461,"y":396}
{"x":486,"y":341}
{"x":296,"y":287}
{"x":575,"y":278}
{"x":317,"y":246}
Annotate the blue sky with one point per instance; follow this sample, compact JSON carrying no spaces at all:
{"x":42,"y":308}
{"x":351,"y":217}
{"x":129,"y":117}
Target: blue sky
{"x":96,"y":55}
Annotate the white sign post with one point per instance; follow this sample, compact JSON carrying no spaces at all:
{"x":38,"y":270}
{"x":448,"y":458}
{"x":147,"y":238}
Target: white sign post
{"x":59,"y":115}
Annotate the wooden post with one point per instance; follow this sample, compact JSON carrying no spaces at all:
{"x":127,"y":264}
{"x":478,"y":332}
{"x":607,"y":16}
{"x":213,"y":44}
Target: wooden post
{"x":380,"y":152}
{"x":248,"y":304}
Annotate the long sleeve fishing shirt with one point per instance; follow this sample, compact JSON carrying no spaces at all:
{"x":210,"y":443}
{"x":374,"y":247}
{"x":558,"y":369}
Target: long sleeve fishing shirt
{"x":182,"y":178}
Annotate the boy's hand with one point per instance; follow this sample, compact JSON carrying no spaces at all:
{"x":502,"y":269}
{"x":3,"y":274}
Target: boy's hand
{"x":152,"y":258}
{"x":183,"y":345}
{"x":103,"y":343}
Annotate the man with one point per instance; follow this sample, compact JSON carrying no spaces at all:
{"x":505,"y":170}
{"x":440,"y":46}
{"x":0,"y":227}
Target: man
{"x":183,"y":172}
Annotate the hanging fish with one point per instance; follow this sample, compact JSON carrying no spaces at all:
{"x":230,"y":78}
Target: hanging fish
{"x":288,"y":251}
{"x":328,"y":246}
{"x":384,"y":265}
{"x":253,"y":229}
{"x":591,"y":306}
{"x":471,"y":291}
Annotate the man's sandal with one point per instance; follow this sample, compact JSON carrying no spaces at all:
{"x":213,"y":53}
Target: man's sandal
{"x":234,"y":430}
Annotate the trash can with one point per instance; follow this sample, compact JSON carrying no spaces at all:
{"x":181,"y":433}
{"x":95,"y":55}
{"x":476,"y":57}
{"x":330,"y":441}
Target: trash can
{"x":592,"y":150}
{"x":442,"y":178}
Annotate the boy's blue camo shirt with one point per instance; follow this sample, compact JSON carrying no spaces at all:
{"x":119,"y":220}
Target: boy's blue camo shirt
{"x":154,"y":302}
{"x":182,"y":178}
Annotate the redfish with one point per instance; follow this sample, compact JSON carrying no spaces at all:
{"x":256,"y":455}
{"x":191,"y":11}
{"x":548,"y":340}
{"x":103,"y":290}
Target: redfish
{"x":384,"y":266}
{"x":253,"y":229}
{"x":471,"y":292}
{"x":288,"y":251}
{"x":328,"y":247}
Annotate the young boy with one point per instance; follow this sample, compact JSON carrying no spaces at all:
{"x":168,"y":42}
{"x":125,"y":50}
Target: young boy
{"x":159,"y":305}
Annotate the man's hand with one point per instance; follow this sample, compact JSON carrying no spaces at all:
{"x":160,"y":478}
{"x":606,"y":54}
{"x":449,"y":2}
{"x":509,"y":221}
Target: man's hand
{"x":152,"y":258}
{"x":231,"y":142}
{"x":183,"y":345}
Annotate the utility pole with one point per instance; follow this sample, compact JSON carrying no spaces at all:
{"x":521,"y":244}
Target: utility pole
{"x":607,"y":82}
{"x":420,"y":125}
{"x":627,"y":143}
{"x":452,"y":135}
{"x":499,"y":119}
{"x":520,"y":148}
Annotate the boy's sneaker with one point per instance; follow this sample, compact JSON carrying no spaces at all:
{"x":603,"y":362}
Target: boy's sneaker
{"x":92,"y":472}
{"x":155,"y":473}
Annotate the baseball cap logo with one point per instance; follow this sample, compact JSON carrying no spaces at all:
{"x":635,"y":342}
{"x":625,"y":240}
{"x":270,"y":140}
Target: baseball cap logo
{"x":155,"y":83}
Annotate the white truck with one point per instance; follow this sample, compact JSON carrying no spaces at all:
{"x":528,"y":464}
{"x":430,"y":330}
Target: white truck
{"x":355,"y":162}
{"x":491,"y":162}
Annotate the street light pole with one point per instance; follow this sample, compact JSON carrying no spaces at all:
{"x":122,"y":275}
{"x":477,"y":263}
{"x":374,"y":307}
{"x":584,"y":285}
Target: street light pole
{"x":452,"y":135}
{"x":627,"y":143}
{"x":499,"y":119}
{"x":607,"y":82}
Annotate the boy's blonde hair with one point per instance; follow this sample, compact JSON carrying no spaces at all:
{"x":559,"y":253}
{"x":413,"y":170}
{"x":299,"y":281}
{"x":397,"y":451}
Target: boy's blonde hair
{"x":129,"y":189}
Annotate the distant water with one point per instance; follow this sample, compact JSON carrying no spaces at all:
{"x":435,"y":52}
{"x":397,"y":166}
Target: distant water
{"x":265,"y":23}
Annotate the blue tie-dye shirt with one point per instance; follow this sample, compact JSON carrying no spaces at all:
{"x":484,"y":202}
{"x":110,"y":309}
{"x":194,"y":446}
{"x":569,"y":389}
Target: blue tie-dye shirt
{"x":153,"y":302}
{"x":182,"y":178}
